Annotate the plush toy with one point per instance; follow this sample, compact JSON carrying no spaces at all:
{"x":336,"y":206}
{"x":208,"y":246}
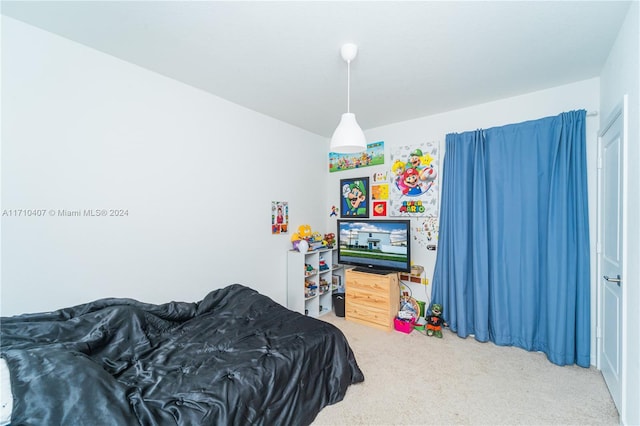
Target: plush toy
{"x":330,"y":239}
{"x":303,"y":233}
{"x":435,"y":321}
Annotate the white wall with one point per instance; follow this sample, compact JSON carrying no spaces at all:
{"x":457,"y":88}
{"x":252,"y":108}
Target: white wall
{"x":197,"y":174}
{"x":579,"y":95}
{"x":620,"y":76}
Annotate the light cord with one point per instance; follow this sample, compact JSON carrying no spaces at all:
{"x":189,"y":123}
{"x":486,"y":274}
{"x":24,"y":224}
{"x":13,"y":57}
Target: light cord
{"x":348,"y":84}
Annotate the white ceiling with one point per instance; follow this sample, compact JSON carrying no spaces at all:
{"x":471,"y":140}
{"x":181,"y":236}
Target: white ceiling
{"x":282,"y":58}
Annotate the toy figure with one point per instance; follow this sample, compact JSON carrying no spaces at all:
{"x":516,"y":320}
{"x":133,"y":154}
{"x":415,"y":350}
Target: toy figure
{"x":303,"y":233}
{"x":435,"y":321}
{"x":330,"y":239}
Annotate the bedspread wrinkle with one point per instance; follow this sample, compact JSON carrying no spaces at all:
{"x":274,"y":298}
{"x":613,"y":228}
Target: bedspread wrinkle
{"x":235,"y":357}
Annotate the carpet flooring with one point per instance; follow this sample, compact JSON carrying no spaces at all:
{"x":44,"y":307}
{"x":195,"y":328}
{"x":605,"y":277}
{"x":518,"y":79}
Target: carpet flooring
{"x":412,"y":379}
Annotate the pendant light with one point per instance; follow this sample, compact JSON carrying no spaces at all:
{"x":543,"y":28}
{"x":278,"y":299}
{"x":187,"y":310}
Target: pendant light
{"x":348,"y":136}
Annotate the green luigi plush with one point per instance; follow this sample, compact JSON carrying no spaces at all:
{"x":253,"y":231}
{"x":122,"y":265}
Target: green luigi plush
{"x":435,"y":321}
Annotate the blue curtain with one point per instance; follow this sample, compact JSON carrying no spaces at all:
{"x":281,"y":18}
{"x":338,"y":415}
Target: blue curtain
{"x":513,"y":256}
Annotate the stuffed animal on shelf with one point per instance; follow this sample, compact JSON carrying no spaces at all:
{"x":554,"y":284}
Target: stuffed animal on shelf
{"x":300,"y":238}
{"x":303,"y":233}
{"x":330,"y":239}
{"x":435,"y":322}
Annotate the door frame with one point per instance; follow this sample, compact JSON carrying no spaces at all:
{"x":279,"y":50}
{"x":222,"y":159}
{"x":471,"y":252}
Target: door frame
{"x":621,"y":110}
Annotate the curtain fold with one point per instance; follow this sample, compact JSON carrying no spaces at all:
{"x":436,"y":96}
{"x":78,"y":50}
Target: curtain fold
{"x":513,"y":257}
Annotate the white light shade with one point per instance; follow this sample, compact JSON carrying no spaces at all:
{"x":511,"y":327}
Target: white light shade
{"x":348,"y":137}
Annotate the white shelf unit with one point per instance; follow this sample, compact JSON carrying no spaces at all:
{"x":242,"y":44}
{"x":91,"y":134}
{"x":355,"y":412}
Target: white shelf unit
{"x":337,"y":271}
{"x":309,"y":278}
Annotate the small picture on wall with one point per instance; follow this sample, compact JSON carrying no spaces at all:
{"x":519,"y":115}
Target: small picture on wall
{"x":279,"y":217}
{"x":354,"y":197}
{"x":379,"y":208}
{"x":380,"y":191}
{"x":379,"y":177}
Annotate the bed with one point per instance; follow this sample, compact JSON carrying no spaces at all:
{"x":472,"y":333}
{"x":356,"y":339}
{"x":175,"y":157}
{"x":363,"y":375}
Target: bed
{"x":236,"y":357}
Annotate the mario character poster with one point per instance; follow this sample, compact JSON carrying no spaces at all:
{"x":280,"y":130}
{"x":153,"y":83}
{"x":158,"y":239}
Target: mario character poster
{"x":413,"y":180}
{"x":354,"y":197}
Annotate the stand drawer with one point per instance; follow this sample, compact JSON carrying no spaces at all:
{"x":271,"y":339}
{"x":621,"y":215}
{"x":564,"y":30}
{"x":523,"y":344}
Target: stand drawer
{"x":364,"y":297}
{"x":372,"y":299}
{"x":369,"y":316}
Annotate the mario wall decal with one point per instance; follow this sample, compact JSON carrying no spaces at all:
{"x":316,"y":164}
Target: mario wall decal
{"x":413,"y":180}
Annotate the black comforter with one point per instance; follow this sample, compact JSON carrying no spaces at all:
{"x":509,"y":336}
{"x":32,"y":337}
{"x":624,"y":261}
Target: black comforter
{"x":236,"y":357}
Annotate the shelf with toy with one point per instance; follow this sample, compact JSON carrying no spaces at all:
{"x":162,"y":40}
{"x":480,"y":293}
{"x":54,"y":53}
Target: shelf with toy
{"x":324,"y":286}
{"x":322,"y":265}
{"x":309,"y":273}
{"x":416,"y":275}
{"x":336,"y":284}
{"x":337,"y":273}
{"x":309,"y":270}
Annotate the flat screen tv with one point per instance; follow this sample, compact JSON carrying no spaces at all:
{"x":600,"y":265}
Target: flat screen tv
{"x":377,"y":246}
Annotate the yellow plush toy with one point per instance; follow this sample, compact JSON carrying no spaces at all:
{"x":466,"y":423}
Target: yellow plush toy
{"x":302,"y":235}
{"x":304,"y":232}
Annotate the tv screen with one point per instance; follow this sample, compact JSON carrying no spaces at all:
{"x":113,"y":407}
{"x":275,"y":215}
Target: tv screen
{"x":378,"y":246}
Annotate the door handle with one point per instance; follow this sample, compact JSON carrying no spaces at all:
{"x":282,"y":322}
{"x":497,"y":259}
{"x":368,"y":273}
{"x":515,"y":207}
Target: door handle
{"x":616,"y":280}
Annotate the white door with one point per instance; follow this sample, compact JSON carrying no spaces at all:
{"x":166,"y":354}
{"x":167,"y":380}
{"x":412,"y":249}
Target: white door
{"x":610,"y":254}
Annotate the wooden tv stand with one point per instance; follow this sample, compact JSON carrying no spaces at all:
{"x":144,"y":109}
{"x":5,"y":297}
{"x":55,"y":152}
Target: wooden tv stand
{"x":372,"y":299}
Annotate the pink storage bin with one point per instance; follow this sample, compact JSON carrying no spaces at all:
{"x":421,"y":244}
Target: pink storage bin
{"x":403,"y":326}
